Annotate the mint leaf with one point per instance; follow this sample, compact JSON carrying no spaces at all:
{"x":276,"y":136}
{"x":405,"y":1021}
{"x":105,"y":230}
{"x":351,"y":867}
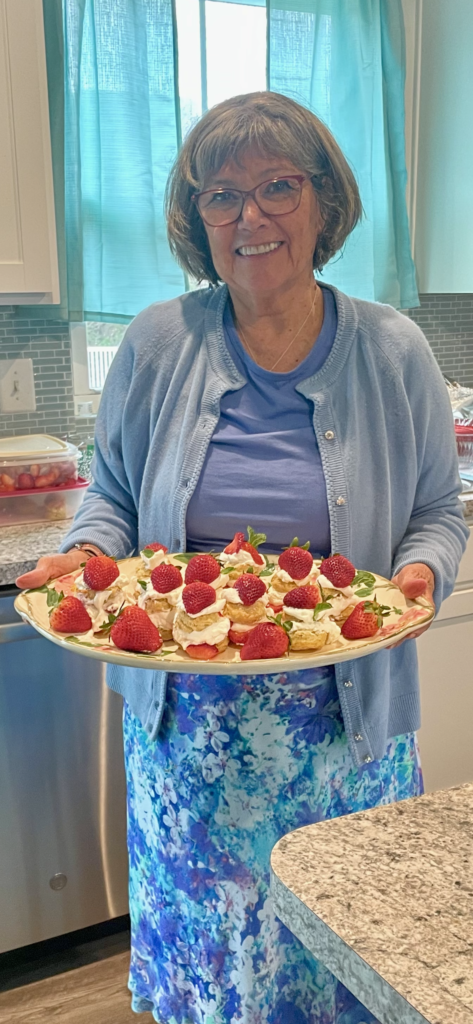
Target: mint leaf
{"x":38,"y":590}
{"x":185,"y":556}
{"x":269,"y":570}
{"x":364,"y":592}
{"x":143,"y":584}
{"x":227,"y":570}
{"x":255,"y":539}
{"x":148,"y":552}
{"x":320,"y":607}
{"x":365,"y":579}
{"x":54,"y":598}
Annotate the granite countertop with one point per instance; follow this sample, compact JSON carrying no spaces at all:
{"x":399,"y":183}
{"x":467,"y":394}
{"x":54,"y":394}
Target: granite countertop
{"x":21,"y":546}
{"x":384,"y":898}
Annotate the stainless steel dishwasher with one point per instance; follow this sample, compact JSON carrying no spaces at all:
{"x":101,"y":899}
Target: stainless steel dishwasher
{"x":63,"y":862}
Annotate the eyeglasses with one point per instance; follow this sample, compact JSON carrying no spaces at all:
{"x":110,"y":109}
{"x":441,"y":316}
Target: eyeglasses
{"x":219,"y":206}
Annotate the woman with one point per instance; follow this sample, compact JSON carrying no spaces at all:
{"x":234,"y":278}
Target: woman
{"x":277,"y":401}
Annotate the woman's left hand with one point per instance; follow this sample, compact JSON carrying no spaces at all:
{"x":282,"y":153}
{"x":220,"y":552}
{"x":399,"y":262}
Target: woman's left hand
{"x":415,"y":580}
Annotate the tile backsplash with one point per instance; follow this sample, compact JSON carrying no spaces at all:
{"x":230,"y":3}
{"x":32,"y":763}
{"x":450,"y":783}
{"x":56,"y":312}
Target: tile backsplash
{"x":447,"y":322}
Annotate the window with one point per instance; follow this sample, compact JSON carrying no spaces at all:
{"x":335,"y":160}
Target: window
{"x":228,"y":58}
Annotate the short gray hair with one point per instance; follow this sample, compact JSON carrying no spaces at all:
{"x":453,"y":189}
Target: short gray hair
{"x":277,"y":126}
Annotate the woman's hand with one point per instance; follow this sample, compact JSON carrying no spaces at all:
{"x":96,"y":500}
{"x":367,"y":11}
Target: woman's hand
{"x":415,"y":580}
{"x":51,"y":566}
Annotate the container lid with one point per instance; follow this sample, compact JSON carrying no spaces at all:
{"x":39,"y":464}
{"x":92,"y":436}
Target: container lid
{"x":30,"y":446}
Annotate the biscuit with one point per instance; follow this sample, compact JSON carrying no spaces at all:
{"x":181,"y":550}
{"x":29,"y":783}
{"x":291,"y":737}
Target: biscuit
{"x":307,"y":640}
{"x":200,"y":622}
{"x":245,"y":615}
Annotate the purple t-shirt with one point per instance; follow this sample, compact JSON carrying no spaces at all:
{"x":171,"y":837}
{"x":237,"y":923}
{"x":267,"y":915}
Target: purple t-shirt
{"x":263,"y":466}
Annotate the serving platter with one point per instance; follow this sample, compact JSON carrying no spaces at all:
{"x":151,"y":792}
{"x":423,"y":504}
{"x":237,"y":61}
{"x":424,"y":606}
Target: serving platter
{"x":404,"y":618}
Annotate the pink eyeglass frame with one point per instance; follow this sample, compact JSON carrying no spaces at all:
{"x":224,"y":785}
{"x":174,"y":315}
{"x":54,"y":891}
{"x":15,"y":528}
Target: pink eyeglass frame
{"x":300,"y":178}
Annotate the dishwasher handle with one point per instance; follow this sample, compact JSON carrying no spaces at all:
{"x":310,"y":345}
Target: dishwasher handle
{"x":11,"y":632}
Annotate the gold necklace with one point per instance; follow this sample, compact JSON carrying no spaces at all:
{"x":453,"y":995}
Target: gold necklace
{"x":278,"y":360}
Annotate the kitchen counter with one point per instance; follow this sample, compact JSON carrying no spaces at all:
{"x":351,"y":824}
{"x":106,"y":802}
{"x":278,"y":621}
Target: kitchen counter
{"x":384,"y":898}
{"x":21,"y":546}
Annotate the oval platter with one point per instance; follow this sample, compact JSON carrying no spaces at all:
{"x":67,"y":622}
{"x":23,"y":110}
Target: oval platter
{"x":404,"y":618}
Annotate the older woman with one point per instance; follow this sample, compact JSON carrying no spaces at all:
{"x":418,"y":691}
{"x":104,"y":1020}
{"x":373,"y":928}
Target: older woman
{"x":275,"y":400}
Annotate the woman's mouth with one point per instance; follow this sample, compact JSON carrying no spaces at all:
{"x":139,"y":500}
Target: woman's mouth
{"x":258,"y":250}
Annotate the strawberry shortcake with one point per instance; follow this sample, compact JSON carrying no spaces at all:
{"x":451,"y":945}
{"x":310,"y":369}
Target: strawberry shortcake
{"x":245,"y":605}
{"x":159,"y":595}
{"x":241,"y":555}
{"x":334,"y":580}
{"x":308,"y":619}
{"x":102,"y":588}
{"x":296,"y":568}
{"x":200,"y":625}
{"x":152,"y":555}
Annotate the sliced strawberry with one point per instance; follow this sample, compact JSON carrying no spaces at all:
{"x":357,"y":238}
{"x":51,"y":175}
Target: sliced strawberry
{"x":257,"y":558}
{"x":266,"y":640}
{"x":250,"y":588}
{"x":365,"y":620}
{"x":202,"y":652}
{"x":197,"y":596}
{"x":166,"y":578}
{"x":235,"y":545}
{"x":302,"y":597}
{"x":202,"y":569}
{"x":297,"y":562}
{"x":238,"y":636}
{"x":276,"y":607}
{"x":100,"y":571}
{"x":339,"y":570}
{"x":155,"y":547}
{"x":134,"y":631}
{"x":70,"y":616}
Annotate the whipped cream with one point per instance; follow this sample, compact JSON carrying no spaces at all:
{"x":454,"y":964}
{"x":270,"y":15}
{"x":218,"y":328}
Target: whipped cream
{"x":164,"y":617}
{"x":108,"y":600}
{"x":327,"y":585}
{"x":155,"y":559}
{"x":237,"y":558}
{"x":319,"y":626}
{"x":213,"y":634}
{"x":172,"y":596}
{"x":285,"y":577}
{"x":210,"y":609}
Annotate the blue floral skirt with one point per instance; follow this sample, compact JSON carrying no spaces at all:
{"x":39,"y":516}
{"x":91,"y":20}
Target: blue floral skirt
{"x":240,"y":761}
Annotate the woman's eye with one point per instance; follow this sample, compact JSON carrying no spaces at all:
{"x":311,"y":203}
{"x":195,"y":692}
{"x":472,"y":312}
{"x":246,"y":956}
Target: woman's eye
{"x":278,"y":187}
{"x":221,"y":198}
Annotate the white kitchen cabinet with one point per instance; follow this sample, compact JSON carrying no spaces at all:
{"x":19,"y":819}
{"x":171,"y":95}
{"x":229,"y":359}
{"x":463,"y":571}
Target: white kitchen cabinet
{"x":28,"y":251}
{"x":446,"y":682}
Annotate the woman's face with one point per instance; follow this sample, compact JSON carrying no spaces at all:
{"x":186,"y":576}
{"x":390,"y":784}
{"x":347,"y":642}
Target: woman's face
{"x":295,"y":233}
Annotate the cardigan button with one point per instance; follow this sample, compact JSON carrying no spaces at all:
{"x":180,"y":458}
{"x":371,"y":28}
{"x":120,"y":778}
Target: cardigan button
{"x":358,"y":737}
{"x":329,"y":435}
{"x":340,"y":500}
{"x":367,"y":759}
{"x":348,"y":682}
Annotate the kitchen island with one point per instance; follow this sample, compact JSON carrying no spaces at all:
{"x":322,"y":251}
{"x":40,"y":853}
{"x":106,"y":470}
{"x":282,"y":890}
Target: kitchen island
{"x":384,"y":898}
{"x":21,"y":546}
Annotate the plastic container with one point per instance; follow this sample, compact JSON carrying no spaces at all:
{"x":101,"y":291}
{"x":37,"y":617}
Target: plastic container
{"x":36,"y":461}
{"x":464,"y":438}
{"x":39,"y":505}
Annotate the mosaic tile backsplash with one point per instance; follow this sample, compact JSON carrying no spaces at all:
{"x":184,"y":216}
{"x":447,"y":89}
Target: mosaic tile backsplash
{"x":447,"y":322}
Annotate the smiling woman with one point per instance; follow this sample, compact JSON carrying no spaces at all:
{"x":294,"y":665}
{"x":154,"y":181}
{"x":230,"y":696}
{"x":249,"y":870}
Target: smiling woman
{"x":276,"y":400}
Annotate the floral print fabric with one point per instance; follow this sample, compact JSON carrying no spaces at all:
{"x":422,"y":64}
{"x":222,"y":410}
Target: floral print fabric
{"x":240,"y":761}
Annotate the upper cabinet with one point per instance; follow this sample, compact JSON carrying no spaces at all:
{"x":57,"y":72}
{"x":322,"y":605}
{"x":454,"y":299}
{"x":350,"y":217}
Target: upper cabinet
{"x":439,"y":141}
{"x":28,"y":252}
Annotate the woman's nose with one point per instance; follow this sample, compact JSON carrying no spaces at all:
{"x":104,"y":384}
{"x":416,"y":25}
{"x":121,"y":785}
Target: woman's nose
{"x":251,"y":215}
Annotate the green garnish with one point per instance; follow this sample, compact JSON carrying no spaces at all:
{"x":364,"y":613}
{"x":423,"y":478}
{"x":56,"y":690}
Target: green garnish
{"x":54,"y":598}
{"x":295,"y":544}
{"x":148,"y":552}
{"x":255,"y":539}
{"x":185,"y":556}
{"x":143,"y":584}
{"x":365,"y":579}
{"x":320,"y":607}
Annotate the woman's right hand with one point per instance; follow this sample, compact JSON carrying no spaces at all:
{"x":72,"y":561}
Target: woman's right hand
{"x":51,"y":566}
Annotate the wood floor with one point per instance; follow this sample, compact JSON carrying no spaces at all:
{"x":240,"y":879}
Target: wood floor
{"x":95,"y":994}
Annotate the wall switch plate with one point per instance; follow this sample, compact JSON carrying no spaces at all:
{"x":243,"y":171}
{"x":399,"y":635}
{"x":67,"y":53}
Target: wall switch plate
{"x":17,"y":393}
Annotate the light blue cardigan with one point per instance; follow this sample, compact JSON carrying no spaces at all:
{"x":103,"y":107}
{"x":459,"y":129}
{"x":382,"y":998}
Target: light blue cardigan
{"x":384,"y":429}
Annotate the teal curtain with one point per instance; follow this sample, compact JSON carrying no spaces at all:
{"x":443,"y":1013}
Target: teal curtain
{"x":345,"y":60}
{"x":120,"y":138}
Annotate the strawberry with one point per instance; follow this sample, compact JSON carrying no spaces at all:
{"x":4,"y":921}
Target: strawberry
{"x":249,"y":588}
{"x":240,"y":544}
{"x":202,"y":652}
{"x":238,"y":636}
{"x":166,"y":578}
{"x":266,"y":640}
{"x":134,"y":631}
{"x":197,"y":596}
{"x":365,"y":620}
{"x":70,"y":616}
{"x":338,"y":570}
{"x":202,"y":568}
{"x":100,"y":571}
{"x":297,"y":562}
{"x":302,"y":597}
{"x":25,"y":482}
{"x":155,"y":547}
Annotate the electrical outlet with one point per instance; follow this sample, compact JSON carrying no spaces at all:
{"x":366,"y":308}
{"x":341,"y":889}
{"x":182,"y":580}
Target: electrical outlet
{"x":17,"y":392}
